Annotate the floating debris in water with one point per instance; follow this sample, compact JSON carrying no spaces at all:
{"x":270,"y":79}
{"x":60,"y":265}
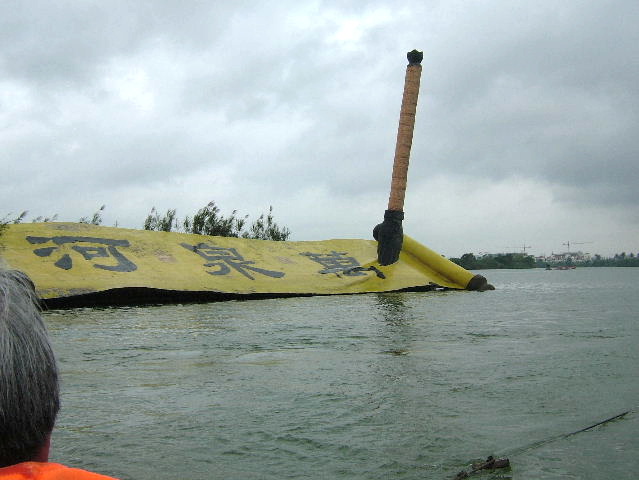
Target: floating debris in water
{"x":398,"y":352}
{"x":491,"y":463}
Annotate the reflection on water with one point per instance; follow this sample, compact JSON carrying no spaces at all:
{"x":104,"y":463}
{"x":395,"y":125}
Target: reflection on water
{"x":397,"y":331}
{"x":394,"y":385}
{"x":392,"y":307}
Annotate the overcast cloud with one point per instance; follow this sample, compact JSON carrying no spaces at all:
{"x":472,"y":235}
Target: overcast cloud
{"x":527,"y":125}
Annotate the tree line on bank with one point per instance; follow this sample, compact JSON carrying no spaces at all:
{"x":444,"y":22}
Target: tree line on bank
{"x":507,"y":260}
{"x":619,"y":260}
{"x":518,"y":260}
{"x":208,"y":220}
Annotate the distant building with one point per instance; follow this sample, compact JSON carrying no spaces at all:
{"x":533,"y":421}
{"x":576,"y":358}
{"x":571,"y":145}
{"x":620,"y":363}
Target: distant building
{"x":575,"y":257}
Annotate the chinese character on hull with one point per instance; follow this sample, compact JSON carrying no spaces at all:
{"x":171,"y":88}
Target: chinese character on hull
{"x":90,"y":248}
{"x":223,"y":259}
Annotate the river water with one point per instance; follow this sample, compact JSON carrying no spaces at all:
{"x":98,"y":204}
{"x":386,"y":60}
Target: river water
{"x":375,"y":386}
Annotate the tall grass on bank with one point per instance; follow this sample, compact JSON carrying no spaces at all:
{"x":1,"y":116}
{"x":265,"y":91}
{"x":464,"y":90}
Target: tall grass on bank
{"x":209,"y":220}
{"x":96,"y":218}
{"x":7,"y":220}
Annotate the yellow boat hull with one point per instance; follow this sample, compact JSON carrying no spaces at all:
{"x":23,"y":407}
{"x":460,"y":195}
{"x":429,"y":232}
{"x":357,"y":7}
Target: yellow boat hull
{"x":75,"y":264}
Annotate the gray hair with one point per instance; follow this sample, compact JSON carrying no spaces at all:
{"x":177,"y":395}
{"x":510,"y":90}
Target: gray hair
{"x":29,"y":392}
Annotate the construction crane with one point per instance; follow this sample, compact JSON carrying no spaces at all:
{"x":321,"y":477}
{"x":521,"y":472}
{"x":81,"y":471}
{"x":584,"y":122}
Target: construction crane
{"x":574,"y":243}
{"x":523,"y":248}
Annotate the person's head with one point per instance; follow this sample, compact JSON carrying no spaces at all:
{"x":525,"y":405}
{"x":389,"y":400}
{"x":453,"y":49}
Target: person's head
{"x":29,"y":397}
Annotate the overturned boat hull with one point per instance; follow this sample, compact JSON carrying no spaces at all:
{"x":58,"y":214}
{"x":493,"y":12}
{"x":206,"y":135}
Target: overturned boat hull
{"x":73,"y":264}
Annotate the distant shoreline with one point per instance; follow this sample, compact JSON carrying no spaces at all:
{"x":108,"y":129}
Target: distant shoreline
{"x":514,"y":261}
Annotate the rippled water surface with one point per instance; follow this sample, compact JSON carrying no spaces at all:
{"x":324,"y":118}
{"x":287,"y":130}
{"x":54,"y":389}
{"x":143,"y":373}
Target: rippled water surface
{"x":376,"y":386}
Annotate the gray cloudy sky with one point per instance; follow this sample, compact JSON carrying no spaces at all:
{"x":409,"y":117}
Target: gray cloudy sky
{"x":527,"y":127}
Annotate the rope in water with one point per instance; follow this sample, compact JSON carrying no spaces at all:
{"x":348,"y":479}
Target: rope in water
{"x":492,"y":463}
{"x":538,"y":444}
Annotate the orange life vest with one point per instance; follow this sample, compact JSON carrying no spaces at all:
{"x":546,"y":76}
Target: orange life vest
{"x":47,"y":471}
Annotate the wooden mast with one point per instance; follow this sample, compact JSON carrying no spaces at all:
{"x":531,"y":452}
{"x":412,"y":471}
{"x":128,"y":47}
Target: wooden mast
{"x":389,"y":234}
